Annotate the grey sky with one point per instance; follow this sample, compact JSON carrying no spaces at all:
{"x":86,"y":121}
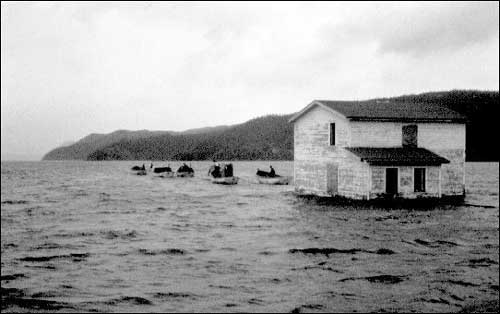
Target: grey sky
{"x":70,"y":69}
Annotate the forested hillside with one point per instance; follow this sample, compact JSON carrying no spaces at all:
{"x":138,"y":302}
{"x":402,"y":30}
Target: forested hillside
{"x":271,"y":137}
{"x":90,"y":143}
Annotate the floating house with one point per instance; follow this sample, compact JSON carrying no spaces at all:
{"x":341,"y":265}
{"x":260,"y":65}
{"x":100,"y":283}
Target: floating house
{"x":378,"y":149}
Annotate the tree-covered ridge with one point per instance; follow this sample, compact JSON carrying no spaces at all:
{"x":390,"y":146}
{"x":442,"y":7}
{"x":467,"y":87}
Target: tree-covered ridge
{"x":271,"y":137}
{"x":90,"y":143}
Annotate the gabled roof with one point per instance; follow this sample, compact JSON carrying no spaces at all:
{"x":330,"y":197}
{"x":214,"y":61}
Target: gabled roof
{"x":398,"y":156}
{"x":388,"y":110}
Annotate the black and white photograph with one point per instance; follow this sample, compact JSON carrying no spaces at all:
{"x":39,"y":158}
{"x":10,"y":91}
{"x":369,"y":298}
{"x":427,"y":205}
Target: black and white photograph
{"x":249,"y":157}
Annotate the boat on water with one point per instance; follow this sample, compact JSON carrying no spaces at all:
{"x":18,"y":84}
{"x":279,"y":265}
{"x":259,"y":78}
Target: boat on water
{"x":222,"y":175}
{"x":185,"y":171}
{"x":225,"y":180}
{"x":162,"y":169}
{"x":140,"y":171}
{"x":185,"y":174}
{"x":265,"y":177}
{"x":163,"y":172}
{"x":277,"y":180}
{"x":168,"y":174}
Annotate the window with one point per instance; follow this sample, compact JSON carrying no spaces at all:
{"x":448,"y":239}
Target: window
{"x":419,"y":180}
{"x":332,"y":133}
{"x":410,"y":135}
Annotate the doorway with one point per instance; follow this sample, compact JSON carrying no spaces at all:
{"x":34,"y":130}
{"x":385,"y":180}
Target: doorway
{"x":391,"y":181}
{"x":332,"y":174}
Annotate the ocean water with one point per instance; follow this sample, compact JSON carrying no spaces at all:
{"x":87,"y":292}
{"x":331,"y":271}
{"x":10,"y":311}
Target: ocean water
{"x":92,"y":236}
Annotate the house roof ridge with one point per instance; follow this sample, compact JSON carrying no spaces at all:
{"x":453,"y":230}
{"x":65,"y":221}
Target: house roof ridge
{"x":387,"y":110}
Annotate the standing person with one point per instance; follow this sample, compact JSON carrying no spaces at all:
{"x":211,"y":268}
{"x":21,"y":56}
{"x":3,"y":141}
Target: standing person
{"x":272,"y":173}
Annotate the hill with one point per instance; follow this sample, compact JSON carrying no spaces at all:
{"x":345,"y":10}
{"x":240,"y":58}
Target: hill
{"x":92,"y":142}
{"x":271,"y":137}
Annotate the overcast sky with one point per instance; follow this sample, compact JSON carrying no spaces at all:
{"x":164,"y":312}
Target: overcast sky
{"x":68,"y":70}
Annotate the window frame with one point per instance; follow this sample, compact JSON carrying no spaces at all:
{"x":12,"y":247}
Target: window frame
{"x":332,"y":131}
{"x":408,"y":143}
{"x":422,"y":178}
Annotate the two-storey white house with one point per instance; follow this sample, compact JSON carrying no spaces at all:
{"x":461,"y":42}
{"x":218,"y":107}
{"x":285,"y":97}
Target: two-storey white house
{"x":372,"y":149}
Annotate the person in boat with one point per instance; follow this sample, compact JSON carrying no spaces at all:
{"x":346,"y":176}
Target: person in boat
{"x":215,"y":170}
{"x":185,"y":168}
{"x":216,"y":164}
{"x":151,"y":166}
{"x":182,"y":168}
{"x":272,"y":173}
{"x":228,"y":170}
{"x":143,"y":167}
{"x":168,"y":169}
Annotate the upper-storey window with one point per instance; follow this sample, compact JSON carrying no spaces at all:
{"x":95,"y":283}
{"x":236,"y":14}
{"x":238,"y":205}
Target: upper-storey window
{"x":332,"y":133}
{"x":410,"y":135}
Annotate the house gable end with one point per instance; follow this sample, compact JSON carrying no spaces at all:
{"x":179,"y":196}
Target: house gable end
{"x":312,"y":105}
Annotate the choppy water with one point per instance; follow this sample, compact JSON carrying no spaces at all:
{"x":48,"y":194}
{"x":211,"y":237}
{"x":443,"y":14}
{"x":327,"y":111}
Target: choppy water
{"x":91,"y":236}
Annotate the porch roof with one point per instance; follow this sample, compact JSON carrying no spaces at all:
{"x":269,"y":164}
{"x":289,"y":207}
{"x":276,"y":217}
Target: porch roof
{"x":398,"y":156}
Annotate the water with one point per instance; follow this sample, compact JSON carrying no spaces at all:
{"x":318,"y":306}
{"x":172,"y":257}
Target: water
{"x":91,"y":236}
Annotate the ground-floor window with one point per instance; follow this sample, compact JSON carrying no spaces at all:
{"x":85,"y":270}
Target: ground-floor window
{"x":419,"y":180}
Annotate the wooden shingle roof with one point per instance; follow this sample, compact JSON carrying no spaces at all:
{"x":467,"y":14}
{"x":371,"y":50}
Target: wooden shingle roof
{"x":398,"y":156}
{"x":388,"y":110}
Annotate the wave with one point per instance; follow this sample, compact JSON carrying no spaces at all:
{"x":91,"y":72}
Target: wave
{"x":462,"y":283}
{"x":482,"y":262}
{"x":435,"y":243}
{"x":53,"y":246}
{"x":162,"y":252}
{"x":76,"y":257}
{"x":14,"y":202}
{"x":387,"y":279}
{"x":129,"y":299}
{"x":174,"y":295}
{"x":16,"y":298}
{"x":113,"y":234}
{"x":12,"y":277}
{"x":307,"y":307}
{"x":328,"y":251}
{"x":74,"y":234}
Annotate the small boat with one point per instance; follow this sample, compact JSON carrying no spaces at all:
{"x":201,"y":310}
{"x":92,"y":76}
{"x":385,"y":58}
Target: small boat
{"x":185,"y":171}
{"x":162,"y":169}
{"x":167,"y":174}
{"x":137,"y":168}
{"x":225,"y":180}
{"x":277,"y":180}
{"x":185,"y":174}
{"x":163,"y":172}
